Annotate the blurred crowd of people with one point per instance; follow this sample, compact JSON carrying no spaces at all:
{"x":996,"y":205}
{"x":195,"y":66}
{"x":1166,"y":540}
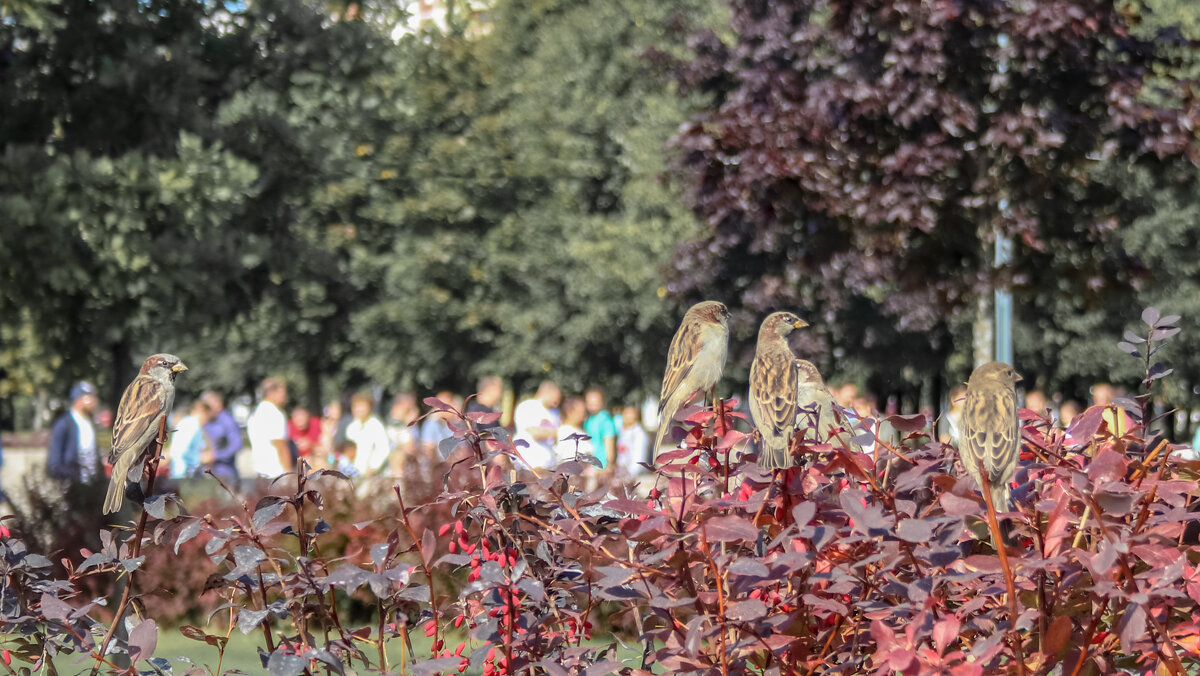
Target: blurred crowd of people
{"x":358,"y":438}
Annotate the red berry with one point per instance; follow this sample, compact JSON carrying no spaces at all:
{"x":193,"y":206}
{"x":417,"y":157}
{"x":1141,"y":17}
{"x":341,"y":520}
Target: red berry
{"x":444,"y":529}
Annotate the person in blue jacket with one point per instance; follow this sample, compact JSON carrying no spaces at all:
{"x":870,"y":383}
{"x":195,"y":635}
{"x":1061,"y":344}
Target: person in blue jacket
{"x":74,"y":456}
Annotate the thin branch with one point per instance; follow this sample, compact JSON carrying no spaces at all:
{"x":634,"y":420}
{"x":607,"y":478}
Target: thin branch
{"x":998,"y":540}
{"x":118,"y":615}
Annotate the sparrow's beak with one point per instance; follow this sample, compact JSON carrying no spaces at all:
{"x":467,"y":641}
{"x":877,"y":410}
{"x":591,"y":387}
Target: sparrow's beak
{"x":799,"y":324}
{"x":179,"y":368}
{"x":1017,"y":377}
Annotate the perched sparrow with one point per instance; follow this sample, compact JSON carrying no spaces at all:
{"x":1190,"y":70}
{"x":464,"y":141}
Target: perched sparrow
{"x":991,"y":431}
{"x":695,"y":360}
{"x":145,"y":402}
{"x":787,"y":394}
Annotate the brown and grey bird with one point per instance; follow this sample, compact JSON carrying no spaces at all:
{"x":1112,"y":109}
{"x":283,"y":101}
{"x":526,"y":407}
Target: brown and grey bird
{"x":694,"y":362}
{"x":787,"y":393}
{"x":146,"y":401}
{"x":991,"y":430}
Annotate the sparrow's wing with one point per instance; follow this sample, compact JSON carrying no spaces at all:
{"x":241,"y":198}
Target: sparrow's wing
{"x":817,"y":406}
{"x":141,"y":406}
{"x":773,"y":395}
{"x":990,"y":433}
{"x":685,"y":348}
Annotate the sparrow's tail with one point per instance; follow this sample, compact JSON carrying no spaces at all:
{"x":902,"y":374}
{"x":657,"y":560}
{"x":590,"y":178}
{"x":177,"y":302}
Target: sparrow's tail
{"x":1002,"y":502}
{"x":116,"y":485}
{"x":665,"y":422}
{"x":775,"y":457}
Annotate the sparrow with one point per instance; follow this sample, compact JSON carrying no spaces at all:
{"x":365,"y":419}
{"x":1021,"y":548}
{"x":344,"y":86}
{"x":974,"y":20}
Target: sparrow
{"x":991,"y":430}
{"x":787,"y":393}
{"x":146,"y":401}
{"x":695,"y":360}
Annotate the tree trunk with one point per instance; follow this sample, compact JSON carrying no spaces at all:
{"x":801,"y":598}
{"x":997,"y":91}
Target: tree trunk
{"x":312,"y":394}
{"x":41,"y":410}
{"x":122,"y":370}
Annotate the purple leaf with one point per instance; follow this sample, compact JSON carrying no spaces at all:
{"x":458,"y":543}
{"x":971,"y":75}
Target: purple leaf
{"x":142,"y":641}
{"x":54,"y":608}
{"x":914,"y":530}
{"x":191,"y":530}
{"x":1132,"y":627}
{"x":944,"y":632}
{"x":1129,"y":349}
{"x":908,"y":423}
{"x":1108,"y":465}
{"x":265,"y":515}
{"x":729,"y":529}
{"x":746,"y":611}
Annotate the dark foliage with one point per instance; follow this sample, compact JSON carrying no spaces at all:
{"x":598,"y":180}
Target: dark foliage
{"x":859,"y":159}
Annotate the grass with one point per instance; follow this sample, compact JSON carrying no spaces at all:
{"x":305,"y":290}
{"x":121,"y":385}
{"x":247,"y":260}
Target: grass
{"x":242,"y":652}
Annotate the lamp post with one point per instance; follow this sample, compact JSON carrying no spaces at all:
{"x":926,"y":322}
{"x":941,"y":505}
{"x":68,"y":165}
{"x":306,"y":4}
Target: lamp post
{"x":1003,"y":302}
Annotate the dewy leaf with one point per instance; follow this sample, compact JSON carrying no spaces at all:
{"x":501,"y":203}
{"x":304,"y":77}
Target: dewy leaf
{"x":94,"y":560}
{"x":156,"y":506}
{"x":249,"y":619}
{"x":285,"y":663}
{"x":328,"y":659}
{"x":246,"y":560}
{"x":191,"y":530}
{"x":1108,"y":465}
{"x":265,"y":515}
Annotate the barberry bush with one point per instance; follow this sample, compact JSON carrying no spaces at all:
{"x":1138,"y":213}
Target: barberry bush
{"x":882,"y":561}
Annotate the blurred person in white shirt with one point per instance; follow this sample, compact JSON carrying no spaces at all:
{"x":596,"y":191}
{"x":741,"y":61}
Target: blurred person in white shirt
{"x":366,"y":430}
{"x":574,"y":413}
{"x":267,"y":430}
{"x":633,"y":443}
{"x":536,"y":423}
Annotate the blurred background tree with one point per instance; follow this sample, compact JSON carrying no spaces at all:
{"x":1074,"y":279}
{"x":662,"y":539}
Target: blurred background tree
{"x":316,"y":189}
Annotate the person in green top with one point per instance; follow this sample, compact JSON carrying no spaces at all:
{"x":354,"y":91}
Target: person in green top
{"x":601,"y":427}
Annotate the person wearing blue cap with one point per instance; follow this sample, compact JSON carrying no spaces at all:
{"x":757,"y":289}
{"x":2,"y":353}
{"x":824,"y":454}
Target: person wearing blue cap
{"x":73,"y":455}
